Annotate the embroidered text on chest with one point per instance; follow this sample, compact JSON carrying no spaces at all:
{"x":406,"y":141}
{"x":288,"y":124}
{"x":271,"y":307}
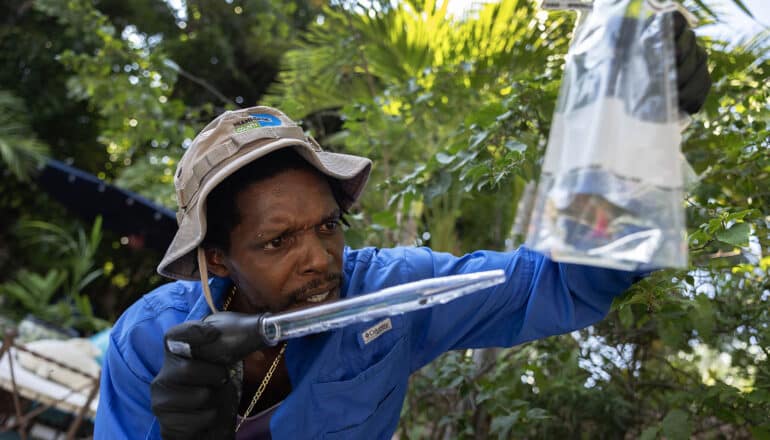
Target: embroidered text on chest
{"x":376,"y":330}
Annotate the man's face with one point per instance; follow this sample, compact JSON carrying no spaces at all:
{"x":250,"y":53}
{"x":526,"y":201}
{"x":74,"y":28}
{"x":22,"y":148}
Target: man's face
{"x":286,"y":252}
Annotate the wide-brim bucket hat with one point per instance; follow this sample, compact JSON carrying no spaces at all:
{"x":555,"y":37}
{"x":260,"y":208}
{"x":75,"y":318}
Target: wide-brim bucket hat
{"x":231,"y":141}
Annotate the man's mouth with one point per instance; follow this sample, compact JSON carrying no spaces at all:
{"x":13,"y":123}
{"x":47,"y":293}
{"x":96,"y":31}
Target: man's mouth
{"x":318,"y":297}
{"x":316,"y":292}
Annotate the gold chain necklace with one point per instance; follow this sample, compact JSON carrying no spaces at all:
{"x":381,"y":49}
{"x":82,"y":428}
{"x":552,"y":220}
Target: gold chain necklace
{"x":268,"y":376}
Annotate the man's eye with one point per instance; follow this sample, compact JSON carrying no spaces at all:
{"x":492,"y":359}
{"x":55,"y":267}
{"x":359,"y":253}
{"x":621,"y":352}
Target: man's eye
{"x":275,"y":243}
{"x":330,"y":225}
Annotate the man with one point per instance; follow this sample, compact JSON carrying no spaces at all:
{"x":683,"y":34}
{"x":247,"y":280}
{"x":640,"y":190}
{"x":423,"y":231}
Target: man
{"x":260,"y":208}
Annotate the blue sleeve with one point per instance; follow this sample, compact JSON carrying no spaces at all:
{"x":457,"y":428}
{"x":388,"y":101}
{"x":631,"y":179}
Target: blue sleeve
{"x":539,"y":298}
{"x":135,"y":355}
{"x":124,"y":395}
{"x":124,"y":402}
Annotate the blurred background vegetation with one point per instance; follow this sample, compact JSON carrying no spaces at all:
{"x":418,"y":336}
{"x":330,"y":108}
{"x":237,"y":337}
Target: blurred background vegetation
{"x":455,"y":112}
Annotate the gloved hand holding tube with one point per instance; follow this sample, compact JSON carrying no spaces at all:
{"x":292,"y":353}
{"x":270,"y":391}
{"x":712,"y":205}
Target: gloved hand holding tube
{"x":237,"y":335}
{"x":197,"y":391}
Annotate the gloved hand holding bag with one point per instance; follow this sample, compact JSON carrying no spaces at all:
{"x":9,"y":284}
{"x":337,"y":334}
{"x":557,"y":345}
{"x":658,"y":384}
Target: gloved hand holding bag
{"x":612,"y":182}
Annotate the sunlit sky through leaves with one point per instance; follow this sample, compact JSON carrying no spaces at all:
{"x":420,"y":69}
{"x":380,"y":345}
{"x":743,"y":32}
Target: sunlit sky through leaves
{"x":735,"y":25}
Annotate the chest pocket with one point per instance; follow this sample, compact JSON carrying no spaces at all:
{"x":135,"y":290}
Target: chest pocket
{"x":367,"y":405}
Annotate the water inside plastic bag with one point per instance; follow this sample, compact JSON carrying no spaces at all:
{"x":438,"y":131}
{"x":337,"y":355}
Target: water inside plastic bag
{"x":611,"y":190}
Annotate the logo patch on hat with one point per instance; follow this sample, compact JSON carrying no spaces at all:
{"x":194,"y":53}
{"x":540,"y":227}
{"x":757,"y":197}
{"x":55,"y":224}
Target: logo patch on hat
{"x":257,"y":120}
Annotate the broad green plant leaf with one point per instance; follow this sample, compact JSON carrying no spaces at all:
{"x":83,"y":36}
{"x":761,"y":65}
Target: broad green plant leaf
{"x":736,"y":235}
{"x":676,"y":425}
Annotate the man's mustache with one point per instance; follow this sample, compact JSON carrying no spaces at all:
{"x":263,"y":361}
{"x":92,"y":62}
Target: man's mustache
{"x":332,"y":278}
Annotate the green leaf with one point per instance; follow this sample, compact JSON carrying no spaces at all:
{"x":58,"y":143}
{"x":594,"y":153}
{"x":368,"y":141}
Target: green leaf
{"x":456,"y":381}
{"x":703,"y":316}
{"x":714,"y":225}
{"x":705,"y":8}
{"x":504,"y":116}
{"x":385,"y":218}
{"x":517,"y":403}
{"x":513,"y":145}
{"x":739,"y":215}
{"x":676,"y":425}
{"x":444,"y":158}
{"x":96,"y":235}
{"x":87,"y":279}
{"x":537,"y":414}
{"x":737,"y":235}
{"x":699,"y":237}
{"x":626,"y":316}
{"x":478,"y":138}
{"x":650,"y":433}
{"x":671,"y":332}
{"x":414,"y":174}
{"x":760,"y":432}
{"x":502,"y":425}
{"x":743,"y":7}
{"x":438,"y":187}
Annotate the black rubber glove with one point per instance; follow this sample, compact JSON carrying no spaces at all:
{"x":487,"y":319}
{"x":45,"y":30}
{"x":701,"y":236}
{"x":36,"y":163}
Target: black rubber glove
{"x":693,"y":78}
{"x":195,"y":399}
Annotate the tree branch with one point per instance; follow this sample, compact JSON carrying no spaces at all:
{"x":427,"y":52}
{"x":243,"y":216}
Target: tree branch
{"x":206,"y":85}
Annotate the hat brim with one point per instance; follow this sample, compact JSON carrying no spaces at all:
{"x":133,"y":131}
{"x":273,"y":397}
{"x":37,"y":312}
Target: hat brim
{"x":179,"y":262}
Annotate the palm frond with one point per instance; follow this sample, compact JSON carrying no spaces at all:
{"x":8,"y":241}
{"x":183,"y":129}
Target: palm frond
{"x":758,"y":44}
{"x":355,"y":53}
{"x":20,"y":151}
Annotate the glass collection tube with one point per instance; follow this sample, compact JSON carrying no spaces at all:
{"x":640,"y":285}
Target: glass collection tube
{"x":387,"y":302}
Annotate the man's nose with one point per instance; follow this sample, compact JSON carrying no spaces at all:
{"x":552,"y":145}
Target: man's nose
{"x":315,"y":257}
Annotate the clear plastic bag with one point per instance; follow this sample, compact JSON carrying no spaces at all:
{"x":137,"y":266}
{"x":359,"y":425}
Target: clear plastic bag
{"x":611,"y":191}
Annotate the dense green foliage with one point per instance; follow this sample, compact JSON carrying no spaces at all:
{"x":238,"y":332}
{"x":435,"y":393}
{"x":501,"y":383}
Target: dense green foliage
{"x":117,"y":90}
{"x":455,"y":112}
